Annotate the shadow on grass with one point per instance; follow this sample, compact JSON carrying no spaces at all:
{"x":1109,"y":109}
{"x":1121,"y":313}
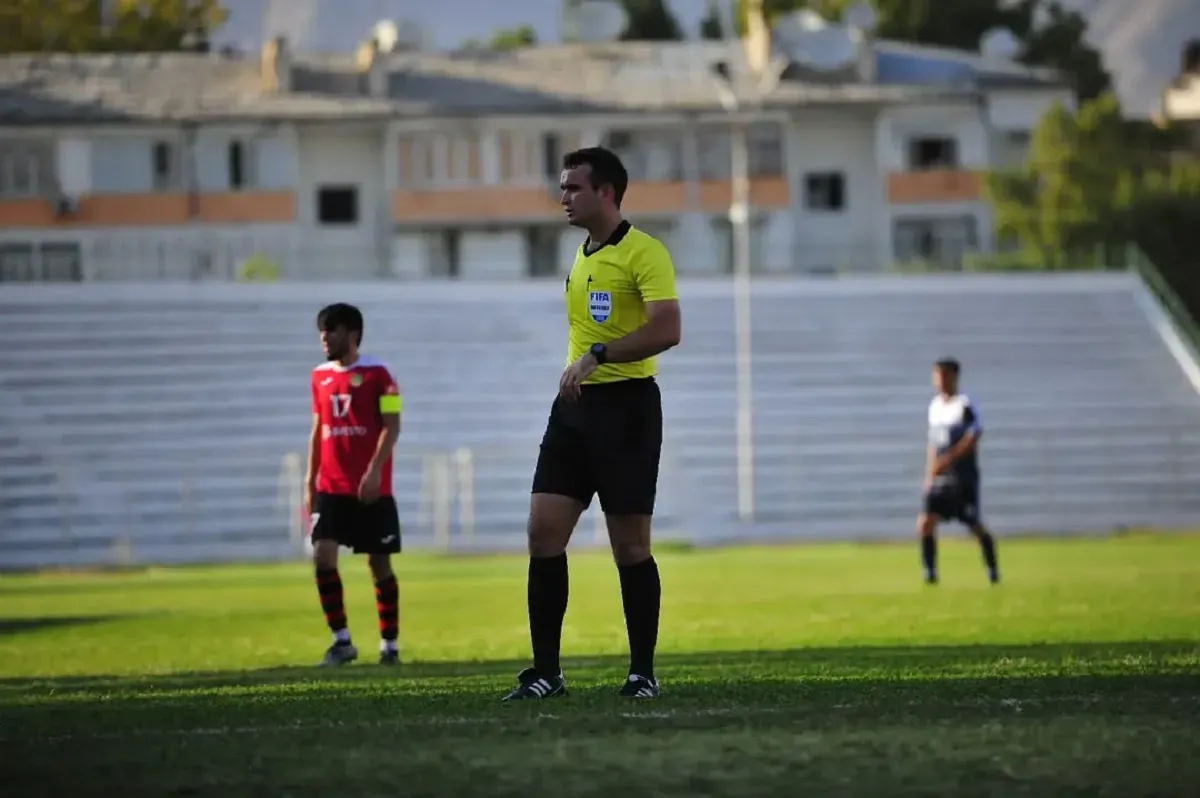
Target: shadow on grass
{"x":796,"y":670}
{"x":16,"y":626}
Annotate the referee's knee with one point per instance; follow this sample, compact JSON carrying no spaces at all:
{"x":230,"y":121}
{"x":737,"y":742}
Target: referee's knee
{"x":552,"y":519}
{"x":629,"y":537}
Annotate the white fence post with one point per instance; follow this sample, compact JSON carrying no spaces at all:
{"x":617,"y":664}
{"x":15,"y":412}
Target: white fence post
{"x":291,"y":500}
{"x":435,"y":496}
{"x":464,"y":460}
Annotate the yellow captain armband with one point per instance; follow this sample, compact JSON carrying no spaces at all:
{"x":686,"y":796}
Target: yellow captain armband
{"x":390,"y":403}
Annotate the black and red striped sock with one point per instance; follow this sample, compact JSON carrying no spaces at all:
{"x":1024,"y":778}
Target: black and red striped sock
{"x":329,"y":588}
{"x":387,"y":603}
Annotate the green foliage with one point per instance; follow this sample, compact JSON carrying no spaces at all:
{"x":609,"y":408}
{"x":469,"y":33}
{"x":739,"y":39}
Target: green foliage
{"x":81,"y":26}
{"x":1095,"y":182}
{"x":650,"y":20}
{"x":711,"y":26}
{"x":1062,"y":45}
{"x":512,"y":39}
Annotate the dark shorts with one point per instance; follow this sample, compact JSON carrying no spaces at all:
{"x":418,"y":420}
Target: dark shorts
{"x":364,"y":528}
{"x":607,"y":443}
{"x":955,"y":503}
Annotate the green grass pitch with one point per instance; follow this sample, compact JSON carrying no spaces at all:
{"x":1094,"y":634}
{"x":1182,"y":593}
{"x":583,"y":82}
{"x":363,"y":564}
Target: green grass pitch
{"x":823,"y":670}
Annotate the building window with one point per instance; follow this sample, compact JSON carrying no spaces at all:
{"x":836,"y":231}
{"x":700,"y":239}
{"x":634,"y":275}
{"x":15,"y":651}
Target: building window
{"x":16,"y":263}
{"x":26,"y":168}
{"x":461,"y":157}
{"x":17,"y":176}
{"x":1019,"y":138}
{"x":337,"y":205}
{"x":62,"y":261}
{"x":933,"y":153}
{"x":943,"y":242}
{"x":52,"y":261}
{"x":162,"y":166}
{"x":551,"y":157}
{"x":766,"y":150}
{"x":238,"y":178}
{"x":825,"y":191}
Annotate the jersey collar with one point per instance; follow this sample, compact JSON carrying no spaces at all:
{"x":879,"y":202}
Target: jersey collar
{"x":622,"y":230}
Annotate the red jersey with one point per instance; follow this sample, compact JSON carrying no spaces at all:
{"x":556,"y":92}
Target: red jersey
{"x":351,"y":402}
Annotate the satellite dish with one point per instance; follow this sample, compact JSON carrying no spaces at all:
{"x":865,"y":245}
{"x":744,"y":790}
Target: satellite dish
{"x":861,"y":15}
{"x":806,"y":19}
{"x":791,"y":28}
{"x":998,"y":44}
{"x":386,"y":35}
{"x":410,"y":36}
{"x":597,"y":21}
{"x":827,"y":49}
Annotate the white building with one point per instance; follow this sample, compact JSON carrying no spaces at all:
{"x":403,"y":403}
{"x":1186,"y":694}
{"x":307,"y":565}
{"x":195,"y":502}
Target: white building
{"x":1181,"y":98}
{"x":418,"y":164}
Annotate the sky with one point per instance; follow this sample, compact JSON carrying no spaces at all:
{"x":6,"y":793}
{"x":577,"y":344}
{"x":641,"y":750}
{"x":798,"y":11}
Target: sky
{"x":1141,"y":41}
{"x":341,"y":24}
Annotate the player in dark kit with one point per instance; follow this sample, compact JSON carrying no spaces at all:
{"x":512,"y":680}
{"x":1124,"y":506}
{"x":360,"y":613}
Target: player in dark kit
{"x":952,"y":478}
{"x":348,"y":488}
{"x":604,"y":434}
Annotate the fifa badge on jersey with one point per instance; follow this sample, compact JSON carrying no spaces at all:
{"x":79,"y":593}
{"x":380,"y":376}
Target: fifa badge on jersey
{"x":600,"y":305}
{"x":356,"y":380}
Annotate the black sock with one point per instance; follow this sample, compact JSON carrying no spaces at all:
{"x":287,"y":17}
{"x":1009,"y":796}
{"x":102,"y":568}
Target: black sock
{"x":547,"y":595}
{"x":988,"y":544}
{"x":929,"y":555}
{"x":641,"y":595}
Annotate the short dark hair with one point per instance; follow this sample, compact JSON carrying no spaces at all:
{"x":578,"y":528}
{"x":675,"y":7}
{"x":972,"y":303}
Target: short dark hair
{"x":340,"y":314}
{"x":607,"y":169}
{"x":948,"y":364}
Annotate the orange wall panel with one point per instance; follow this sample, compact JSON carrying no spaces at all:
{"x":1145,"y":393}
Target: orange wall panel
{"x":487,"y":203}
{"x":935,"y":185}
{"x":239,"y":207}
{"x":500,"y":203}
{"x":153,"y":210}
{"x":765,"y":192}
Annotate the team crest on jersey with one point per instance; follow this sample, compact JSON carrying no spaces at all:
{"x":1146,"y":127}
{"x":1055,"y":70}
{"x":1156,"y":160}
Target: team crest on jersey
{"x":600,"y":305}
{"x":356,"y":380}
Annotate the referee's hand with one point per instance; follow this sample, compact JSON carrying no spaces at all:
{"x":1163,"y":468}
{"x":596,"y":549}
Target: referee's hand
{"x":574,"y":375}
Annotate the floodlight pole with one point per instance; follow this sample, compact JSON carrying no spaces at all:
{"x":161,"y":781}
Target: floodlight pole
{"x":739,"y":219}
{"x":735,"y":96}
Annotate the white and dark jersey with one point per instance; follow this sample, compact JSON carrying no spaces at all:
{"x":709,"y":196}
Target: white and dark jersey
{"x":949,"y":420}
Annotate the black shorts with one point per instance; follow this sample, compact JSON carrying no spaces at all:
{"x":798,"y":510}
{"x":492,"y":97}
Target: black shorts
{"x":364,"y":528}
{"x":955,"y":503}
{"x":606,"y":443}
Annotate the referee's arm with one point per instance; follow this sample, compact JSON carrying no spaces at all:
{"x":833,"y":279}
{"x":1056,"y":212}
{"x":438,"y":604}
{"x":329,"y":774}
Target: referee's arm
{"x":663,"y":329}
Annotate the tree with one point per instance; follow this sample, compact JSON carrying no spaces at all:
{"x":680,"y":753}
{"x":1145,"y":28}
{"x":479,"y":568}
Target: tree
{"x":81,"y":26}
{"x":513,"y":38}
{"x":1058,"y":41}
{"x":650,"y":20}
{"x":1095,"y":183}
{"x":711,"y":26}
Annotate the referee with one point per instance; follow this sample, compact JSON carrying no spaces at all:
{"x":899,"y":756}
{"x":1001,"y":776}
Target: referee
{"x":604,"y":434}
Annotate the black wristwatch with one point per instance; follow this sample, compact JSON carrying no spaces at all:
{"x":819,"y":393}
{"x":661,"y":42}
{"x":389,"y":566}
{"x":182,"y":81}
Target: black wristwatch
{"x":600,"y":352}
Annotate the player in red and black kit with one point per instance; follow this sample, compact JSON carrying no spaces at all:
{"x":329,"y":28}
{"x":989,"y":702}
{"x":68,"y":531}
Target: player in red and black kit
{"x":348,"y":487}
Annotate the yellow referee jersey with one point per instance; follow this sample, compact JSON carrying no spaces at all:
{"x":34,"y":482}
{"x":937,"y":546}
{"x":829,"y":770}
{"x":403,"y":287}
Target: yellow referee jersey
{"x":607,"y":292}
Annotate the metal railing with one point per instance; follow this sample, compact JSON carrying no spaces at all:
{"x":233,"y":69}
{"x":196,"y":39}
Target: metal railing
{"x":1166,"y":296}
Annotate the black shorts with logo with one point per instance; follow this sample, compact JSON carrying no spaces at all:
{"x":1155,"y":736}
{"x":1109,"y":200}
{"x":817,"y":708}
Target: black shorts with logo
{"x":606,"y":443}
{"x":955,"y":502}
{"x":372,"y":528}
